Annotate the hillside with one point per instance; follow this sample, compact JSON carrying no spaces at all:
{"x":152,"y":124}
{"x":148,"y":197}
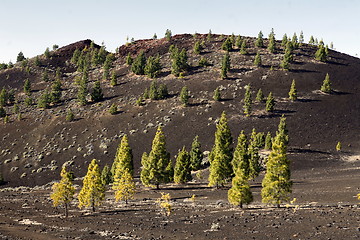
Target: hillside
{"x":34,"y":148}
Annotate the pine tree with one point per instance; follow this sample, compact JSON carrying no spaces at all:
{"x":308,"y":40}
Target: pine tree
{"x":257,"y":61}
{"x":196,"y":155}
{"x":113,"y":81}
{"x":254,"y":158}
{"x":138,"y":66}
{"x":63,"y":191}
{"x":3,"y":97}
{"x":311,"y":41}
{"x":113,"y":109}
{"x":288,"y":56}
{"x":320,"y":54}
{"x":157,"y":166}
{"x":326,"y":86}
{"x":82,"y":91}
{"x":69,"y":116}
{"x":179,"y":61}
{"x":197,"y":47}
{"x":247,"y":101}
{"x":282,"y":132}
{"x":276,"y":182}
{"x":44,"y":100}
{"x":20,"y":57}
{"x":268,"y":141}
{"x":182,"y":170}
{"x":270,"y":103}
{"x":47,"y":53}
{"x":294,"y":41}
{"x":259,"y":96}
{"x":129,"y":61}
{"x":240,"y":192}
{"x":293,"y":91}
{"x":96,"y":94}
{"x":271,"y":46}
{"x":241,"y":157}
{"x":221,"y":154}
{"x":56,"y":91}
{"x":123,"y":159}
{"x":153,"y":67}
{"x":225,"y":66}
{"x":301,"y":38}
{"x":208,"y":38}
{"x":124,"y":187}
{"x":243,"y":48}
{"x":227,"y":45}
{"x":284,"y":40}
{"x":217,"y":94}
{"x":106,"y":176}
{"x":259,"y":41}
{"x":338,"y":146}
{"x":93,"y":191}
{"x":184,"y":96}
{"x":27,"y":87}
{"x":168,"y":34}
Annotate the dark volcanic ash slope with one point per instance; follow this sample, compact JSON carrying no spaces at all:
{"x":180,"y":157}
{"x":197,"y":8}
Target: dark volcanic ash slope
{"x":33,"y":150}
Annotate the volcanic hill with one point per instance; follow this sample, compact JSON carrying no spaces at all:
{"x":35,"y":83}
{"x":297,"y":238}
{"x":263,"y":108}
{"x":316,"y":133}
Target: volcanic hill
{"x":33,"y":149}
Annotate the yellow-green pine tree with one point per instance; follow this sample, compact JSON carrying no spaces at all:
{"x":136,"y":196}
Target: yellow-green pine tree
{"x":338,"y":146}
{"x":123,"y":158}
{"x":63,"y":191}
{"x":276,"y":183}
{"x":93,"y":191}
{"x":293,"y":91}
{"x":124,"y":186}
{"x":240,"y":193}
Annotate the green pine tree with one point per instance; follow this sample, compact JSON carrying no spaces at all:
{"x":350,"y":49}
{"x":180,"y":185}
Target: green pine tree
{"x":268,"y":141}
{"x":247,"y":101}
{"x":113,"y":81}
{"x":124,"y":187}
{"x":257,"y":61}
{"x":152,"y":67}
{"x":196,"y":155}
{"x":82,"y":91}
{"x":221,"y":154}
{"x":106,"y":176}
{"x":284,"y":40}
{"x":260,"y":41}
{"x":44,"y":100}
{"x":241,"y":157}
{"x":293,"y":91}
{"x":93,"y":191}
{"x":96,"y":94}
{"x":157,"y":166}
{"x":276,"y":182}
{"x":227,"y":45}
{"x":129,"y":61}
{"x":254,"y":158}
{"x":27,"y":87}
{"x":217,"y":94}
{"x":326,"y":86}
{"x":182,"y":170}
{"x":243,"y":48}
{"x":56,"y":91}
{"x":259,"y":96}
{"x":69,"y":116}
{"x":270,"y":103}
{"x":138,"y":65}
{"x":321,"y":54}
{"x":272,"y":43}
{"x":225,"y":66}
{"x":184,"y":96}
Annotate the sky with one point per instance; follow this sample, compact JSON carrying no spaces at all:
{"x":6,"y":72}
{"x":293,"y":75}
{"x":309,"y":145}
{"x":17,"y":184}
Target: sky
{"x":32,"y":26}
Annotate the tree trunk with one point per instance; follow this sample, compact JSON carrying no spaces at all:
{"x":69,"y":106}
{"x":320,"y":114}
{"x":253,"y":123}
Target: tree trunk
{"x":278,"y":205}
{"x":93,"y":206}
{"x":66,"y":210}
{"x":241,"y":205}
{"x":157,"y":186}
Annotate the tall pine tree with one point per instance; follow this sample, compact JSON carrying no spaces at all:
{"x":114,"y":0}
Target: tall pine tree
{"x":247,"y":101}
{"x":123,"y":159}
{"x":221,"y":154}
{"x":182,"y":170}
{"x":93,"y":191}
{"x":196,"y":155}
{"x":157,"y":166}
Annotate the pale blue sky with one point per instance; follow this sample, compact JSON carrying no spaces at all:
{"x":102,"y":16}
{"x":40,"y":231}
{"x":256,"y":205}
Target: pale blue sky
{"x":31,"y":26}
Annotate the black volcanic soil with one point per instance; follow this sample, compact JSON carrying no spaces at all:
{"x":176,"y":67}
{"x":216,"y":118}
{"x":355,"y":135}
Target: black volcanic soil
{"x":326,"y":182}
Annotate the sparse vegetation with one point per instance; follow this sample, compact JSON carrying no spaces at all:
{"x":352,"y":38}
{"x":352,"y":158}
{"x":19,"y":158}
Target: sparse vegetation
{"x":326,"y":86}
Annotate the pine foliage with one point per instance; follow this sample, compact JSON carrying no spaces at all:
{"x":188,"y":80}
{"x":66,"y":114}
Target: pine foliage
{"x":63,"y":191}
{"x":240,"y":192}
{"x":276,"y":183}
{"x":157,"y":166}
{"x":93,"y":191}
{"x":254,"y":158}
{"x":326,"y":86}
{"x":184,"y":96}
{"x":293,"y":91}
{"x":270,"y":103}
{"x":247,"y":101}
{"x":225,"y":66}
{"x":241,"y":157}
{"x":196,"y":155}
{"x":123,"y":159}
{"x":221,"y":154}
{"x":182,"y":170}
{"x":138,"y":65}
{"x":124,"y":187}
